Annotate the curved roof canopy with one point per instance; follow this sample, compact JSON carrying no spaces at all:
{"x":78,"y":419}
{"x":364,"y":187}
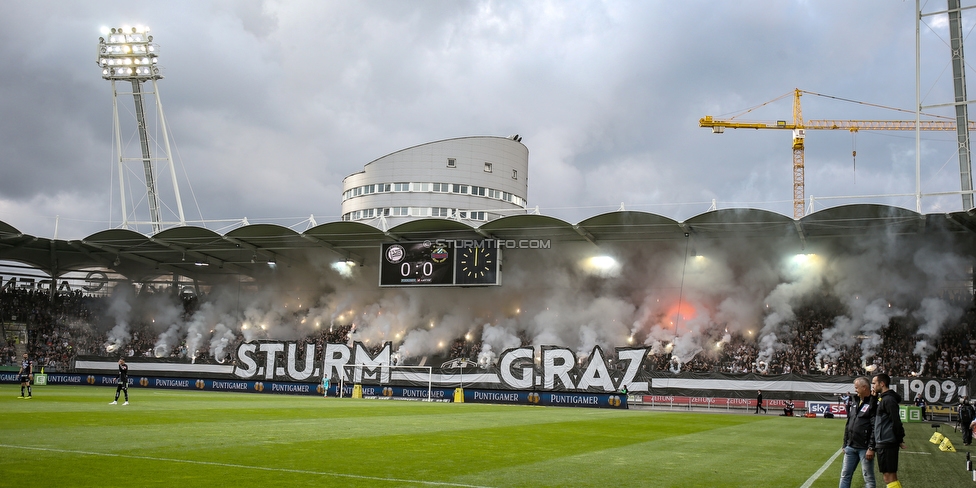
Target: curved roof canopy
{"x":203,"y":254}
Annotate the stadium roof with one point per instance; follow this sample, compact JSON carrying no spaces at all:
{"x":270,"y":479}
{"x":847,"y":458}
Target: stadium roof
{"x":203,"y":254}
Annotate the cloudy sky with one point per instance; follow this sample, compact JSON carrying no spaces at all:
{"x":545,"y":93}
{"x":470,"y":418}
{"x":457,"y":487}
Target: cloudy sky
{"x":271,"y":103}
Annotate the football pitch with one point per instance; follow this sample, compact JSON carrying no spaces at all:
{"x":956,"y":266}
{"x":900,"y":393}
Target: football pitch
{"x":70,"y":436}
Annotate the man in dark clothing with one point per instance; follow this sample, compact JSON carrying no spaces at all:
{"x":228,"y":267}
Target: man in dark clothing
{"x":123,"y":383}
{"x":889,"y":434}
{"x":859,"y":436}
{"x":788,"y":408}
{"x":850,"y":401}
{"x":966,"y":416}
{"x":920,"y":403}
{"x":26,"y":376}
{"x":759,"y":403}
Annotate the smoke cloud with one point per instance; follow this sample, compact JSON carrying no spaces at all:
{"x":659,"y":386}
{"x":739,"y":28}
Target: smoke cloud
{"x":683,"y":298}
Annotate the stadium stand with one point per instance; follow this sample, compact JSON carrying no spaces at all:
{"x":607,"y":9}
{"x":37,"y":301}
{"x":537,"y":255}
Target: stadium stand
{"x":56,"y":329}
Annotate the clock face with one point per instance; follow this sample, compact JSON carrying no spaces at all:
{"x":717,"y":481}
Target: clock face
{"x":477,"y":266}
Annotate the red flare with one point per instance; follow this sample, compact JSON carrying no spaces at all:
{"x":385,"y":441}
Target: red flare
{"x":681,"y":312}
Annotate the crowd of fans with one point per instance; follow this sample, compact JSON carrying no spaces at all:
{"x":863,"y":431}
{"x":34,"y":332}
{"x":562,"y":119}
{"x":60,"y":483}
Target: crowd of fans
{"x":53,"y":328}
{"x":56,"y":329}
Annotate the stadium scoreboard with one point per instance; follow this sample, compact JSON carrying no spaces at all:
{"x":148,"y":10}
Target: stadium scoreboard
{"x":440,"y":263}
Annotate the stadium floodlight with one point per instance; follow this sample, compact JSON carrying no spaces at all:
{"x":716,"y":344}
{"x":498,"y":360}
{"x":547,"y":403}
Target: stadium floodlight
{"x":605,"y":266}
{"x":129,"y":54}
{"x":603,"y":262}
{"x":801,"y":265}
{"x":344,"y":268}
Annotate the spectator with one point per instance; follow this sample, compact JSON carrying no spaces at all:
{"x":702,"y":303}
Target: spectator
{"x":920,"y":403}
{"x":788,"y":408}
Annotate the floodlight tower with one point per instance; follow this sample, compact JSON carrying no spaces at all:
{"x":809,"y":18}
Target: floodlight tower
{"x":128,"y":54}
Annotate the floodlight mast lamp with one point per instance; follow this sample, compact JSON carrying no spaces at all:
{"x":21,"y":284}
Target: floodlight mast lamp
{"x":128,"y":54}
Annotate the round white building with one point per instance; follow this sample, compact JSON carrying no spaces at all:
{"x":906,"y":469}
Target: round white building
{"x":471,"y":179}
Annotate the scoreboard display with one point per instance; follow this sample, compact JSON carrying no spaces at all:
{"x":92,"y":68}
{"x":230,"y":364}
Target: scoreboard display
{"x":439,"y":263}
{"x":416,"y":263}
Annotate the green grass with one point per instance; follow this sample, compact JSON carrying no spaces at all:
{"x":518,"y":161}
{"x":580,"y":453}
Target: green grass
{"x":70,"y":436}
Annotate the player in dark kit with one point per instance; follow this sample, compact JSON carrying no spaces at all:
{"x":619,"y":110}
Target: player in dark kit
{"x":26,"y":375}
{"x":123,"y":385}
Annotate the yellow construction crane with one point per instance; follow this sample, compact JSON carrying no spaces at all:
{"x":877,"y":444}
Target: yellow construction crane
{"x":799,"y":127}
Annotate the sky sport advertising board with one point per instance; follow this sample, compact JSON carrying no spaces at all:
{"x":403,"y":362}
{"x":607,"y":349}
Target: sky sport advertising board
{"x":820,"y":408}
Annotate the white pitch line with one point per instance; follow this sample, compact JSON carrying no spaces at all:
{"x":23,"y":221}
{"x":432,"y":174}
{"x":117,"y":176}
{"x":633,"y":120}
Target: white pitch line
{"x":820,"y":471}
{"x":260,"y":468}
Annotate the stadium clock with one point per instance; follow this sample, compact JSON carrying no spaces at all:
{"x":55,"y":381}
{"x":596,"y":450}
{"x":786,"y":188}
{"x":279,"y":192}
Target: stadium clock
{"x":476,"y":266}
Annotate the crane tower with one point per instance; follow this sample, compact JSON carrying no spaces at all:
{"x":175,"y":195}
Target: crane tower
{"x":799,"y":128}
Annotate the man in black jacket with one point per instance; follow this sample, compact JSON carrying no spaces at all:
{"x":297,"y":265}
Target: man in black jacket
{"x":123,"y":383}
{"x":889,"y":434}
{"x":859,"y":436}
{"x":966,"y":416}
{"x":920,"y":403}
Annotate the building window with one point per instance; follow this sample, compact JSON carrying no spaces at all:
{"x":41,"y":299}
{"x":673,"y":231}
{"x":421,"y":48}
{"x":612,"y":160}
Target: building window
{"x":514,"y":174}
{"x":471,"y":215}
{"x":421,"y":186}
{"x":478,"y":190}
{"x":451,"y":163}
{"x":439,"y":212}
{"x":456,"y":188}
{"x":401,"y":211}
{"x":401,"y":187}
{"x":487,"y":167}
{"x":442,"y":187}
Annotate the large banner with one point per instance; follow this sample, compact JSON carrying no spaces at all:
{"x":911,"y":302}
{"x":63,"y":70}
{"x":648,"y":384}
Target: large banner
{"x":556,"y":369}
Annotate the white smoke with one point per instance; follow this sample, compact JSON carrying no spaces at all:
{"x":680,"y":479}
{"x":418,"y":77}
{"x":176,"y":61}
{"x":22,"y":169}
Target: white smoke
{"x":486,"y":357}
{"x":499,"y":337}
{"x":119,"y":310}
{"x":223,"y":336}
{"x":168,"y":340}
{"x":933,"y":314}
